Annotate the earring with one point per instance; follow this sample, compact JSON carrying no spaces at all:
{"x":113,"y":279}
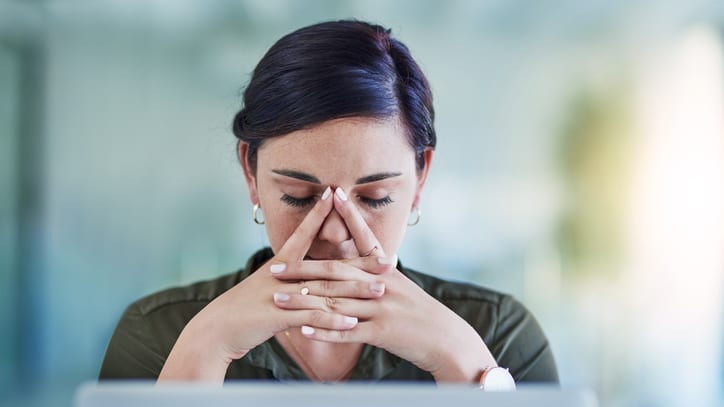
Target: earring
{"x":417,"y":218}
{"x":254,"y":214}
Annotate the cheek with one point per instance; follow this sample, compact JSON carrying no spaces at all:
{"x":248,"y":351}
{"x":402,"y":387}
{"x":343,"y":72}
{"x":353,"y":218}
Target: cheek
{"x":281,"y":222}
{"x":389,"y":227}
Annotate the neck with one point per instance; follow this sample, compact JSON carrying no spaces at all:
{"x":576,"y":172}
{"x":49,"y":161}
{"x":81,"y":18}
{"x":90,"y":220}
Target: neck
{"x":320,"y":361}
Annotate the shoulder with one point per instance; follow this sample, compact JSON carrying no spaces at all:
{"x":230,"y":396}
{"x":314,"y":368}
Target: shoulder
{"x":201,"y":292}
{"x":149,"y":327}
{"x":487,"y":310}
{"x":448,"y":291}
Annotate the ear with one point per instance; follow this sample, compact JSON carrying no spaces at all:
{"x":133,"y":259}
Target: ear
{"x":249,"y":173}
{"x":422,"y":177}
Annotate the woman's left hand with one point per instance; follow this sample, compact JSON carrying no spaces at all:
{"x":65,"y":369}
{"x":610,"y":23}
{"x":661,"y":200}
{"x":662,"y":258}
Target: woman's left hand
{"x":405,"y":321}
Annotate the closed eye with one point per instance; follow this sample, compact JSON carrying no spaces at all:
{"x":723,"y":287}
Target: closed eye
{"x":376,"y":203}
{"x":297,"y":202}
{"x":306,"y":201}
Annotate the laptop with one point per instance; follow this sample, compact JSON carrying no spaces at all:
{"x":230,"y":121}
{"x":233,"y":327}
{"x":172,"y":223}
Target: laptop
{"x":304,"y":394}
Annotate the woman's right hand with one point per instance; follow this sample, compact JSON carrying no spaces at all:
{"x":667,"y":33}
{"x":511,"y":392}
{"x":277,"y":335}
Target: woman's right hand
{"x":245,"y":316}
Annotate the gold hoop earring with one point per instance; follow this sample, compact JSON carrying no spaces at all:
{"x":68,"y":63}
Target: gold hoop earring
{"x":417,"y":218}
{"x":255,"y":213}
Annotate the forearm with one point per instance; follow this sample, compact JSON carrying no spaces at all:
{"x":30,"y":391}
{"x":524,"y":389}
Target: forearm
{"x":196,"y":357}
{"x":463,"y":359}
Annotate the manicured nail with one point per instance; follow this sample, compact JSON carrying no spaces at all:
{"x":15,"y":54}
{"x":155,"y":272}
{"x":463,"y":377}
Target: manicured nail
{"x":377,"y":287}
{"x":277,"y":268}
{"x":340,"y":194}
{"x":350,"y":321}
{"x":307,"y":330}
{"x":281,"y":297}
{"x":388,"y":260}
{"x":327,"y":193}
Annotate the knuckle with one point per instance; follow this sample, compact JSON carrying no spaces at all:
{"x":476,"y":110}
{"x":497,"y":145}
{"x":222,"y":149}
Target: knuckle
{"x":330,"y":303}
{"x":316,"y":317}
{"x":326,"y":287}
{"x":330,"y":266}
{"x":343,"y":336}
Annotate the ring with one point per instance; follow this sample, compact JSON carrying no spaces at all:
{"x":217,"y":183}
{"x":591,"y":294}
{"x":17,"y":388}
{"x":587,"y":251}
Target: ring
{"x":369,"y":252}
{"x":304,"y":290}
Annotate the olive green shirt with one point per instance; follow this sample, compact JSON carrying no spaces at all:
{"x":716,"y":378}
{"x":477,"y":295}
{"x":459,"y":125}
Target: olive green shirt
{"x":149,"y":328}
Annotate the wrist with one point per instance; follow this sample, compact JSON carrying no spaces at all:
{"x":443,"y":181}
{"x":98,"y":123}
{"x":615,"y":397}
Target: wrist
{"x":464,"y":364}
{"x":197,"y":356}
{"x":463,"y":371}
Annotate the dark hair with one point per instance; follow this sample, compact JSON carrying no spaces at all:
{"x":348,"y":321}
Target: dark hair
{"x":334,"y":70}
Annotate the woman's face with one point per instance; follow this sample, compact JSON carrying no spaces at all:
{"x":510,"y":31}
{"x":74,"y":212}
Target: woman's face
{"x":368,"y":158}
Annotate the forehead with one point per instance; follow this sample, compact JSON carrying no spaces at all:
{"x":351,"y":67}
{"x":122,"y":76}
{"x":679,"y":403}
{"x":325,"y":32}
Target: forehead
{"x":350,"y":146}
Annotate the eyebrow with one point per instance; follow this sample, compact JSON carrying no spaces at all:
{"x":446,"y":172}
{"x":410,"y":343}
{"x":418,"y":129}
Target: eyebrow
{"x":314,"y":180}
{"x":298,"y":175}
{"x":377,"y":177}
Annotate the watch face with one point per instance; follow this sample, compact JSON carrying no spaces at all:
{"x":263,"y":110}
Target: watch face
{"x":498,"y":379}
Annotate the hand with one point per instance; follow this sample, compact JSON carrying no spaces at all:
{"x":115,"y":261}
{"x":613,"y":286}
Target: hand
{"x":405,"y":320}
{"x":245,"y":316}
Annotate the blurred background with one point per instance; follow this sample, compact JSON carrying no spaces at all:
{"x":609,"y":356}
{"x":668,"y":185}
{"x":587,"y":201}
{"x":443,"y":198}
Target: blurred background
{"x":580,"y":167}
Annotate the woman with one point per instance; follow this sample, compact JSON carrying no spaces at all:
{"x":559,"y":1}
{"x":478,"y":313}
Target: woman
{"x":336,"y":139}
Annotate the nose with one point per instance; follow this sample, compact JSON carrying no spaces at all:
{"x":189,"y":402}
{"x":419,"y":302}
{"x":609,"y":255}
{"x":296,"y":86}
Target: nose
{"x":334,"y":230}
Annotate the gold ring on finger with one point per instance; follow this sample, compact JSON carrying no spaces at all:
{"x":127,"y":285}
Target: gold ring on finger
{"x":369,"y":252}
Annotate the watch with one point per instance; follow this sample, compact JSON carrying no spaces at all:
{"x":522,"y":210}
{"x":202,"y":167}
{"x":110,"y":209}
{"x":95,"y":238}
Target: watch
{"x":496,"y":379}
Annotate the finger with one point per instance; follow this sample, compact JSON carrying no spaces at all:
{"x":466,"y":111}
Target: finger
{"x":361,"y":308}
{"x":296,"y":247}
{"x":363,"y":332}
{"x":373,"y":264}
{"x":341,"y":289}
{"x":360,"y":268}
{"x":320,"y":319}
{"x":364,"y":239}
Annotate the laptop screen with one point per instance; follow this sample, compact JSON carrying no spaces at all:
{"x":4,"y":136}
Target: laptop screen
{"x":296,"y":394}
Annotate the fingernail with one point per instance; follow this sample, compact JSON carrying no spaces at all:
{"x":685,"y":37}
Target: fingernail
{"x":281,"y":297}
{"x":340,"y":194}
{"x":307,"y":330}
{"x":350,"y":321}
{"x":388,"y":260}
{"x":377,"y":287}
{"x":277,"y":268}
{"x":327,"y":193}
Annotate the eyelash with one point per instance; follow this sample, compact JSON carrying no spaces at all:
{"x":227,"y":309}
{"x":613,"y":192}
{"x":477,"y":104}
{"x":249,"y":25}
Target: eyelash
{"x":376,"y":203}
{"x":297,"y":202}
{"x":302,"y":202}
